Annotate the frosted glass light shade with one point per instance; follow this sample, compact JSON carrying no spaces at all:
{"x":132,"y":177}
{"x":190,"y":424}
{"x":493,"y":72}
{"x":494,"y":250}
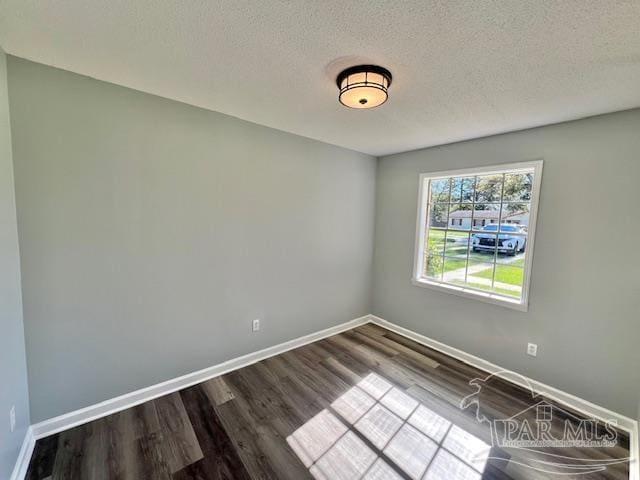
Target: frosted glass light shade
{"x":364,"y":86}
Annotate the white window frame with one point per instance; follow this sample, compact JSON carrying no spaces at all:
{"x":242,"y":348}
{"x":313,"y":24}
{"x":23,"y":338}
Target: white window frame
{"x":420,"y":280}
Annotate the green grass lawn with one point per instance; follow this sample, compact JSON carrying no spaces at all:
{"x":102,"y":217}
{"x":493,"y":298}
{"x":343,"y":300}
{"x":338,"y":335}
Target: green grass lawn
{"x":435,"y":265}
{"x":436,"y":261}
{"x":519,"y":262}
{"x":451,"y":264}
{"x":504,"y":274}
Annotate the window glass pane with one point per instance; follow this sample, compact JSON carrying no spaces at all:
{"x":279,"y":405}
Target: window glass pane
{"x":438,"y":215}
{"x":517,"y":260}
{"x":509,"y":280}
{"x":483,"y":246}
{"x":516,"y":214}
{"x":489,"y":188}
{"x":485,"y":214}
{"x":440,"y":190}
{"x":477,"y":271}
{"x":457,"y":244}
{"x":511,"y":248}
{"x":435,"y":242}
{"x":433,"y":266}
{"x":434,"y":254}
{"x":509,"y":275}
{"x":456,"y":252}
{"x":517,"y":187}
{"x":454,"y":269}
{"x":462,"y":189}
{"x":460,"y":216}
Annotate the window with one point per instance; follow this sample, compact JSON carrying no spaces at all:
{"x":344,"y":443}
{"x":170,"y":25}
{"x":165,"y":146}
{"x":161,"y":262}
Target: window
{"x":475,"y":232}
{"x":544,"y":412}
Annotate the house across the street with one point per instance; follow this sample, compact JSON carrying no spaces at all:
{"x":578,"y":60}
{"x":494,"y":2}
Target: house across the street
{"x":466,"y":219}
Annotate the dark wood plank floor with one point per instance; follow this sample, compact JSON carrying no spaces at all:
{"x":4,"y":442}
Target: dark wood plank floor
{"x":367,"y":403}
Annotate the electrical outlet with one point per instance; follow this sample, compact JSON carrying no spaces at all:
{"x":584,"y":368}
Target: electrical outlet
{"x":255,"y":326}
{"x":532,"y":349}
{"x":12,"y":418}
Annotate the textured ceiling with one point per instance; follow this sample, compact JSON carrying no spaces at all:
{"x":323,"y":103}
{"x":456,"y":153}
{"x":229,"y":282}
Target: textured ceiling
{"x":462,"y":68}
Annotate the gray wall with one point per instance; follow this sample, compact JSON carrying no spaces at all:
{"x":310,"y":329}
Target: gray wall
{"x":13,"y":368}
{"x":152,"y":233}
{"x":584,"y":311}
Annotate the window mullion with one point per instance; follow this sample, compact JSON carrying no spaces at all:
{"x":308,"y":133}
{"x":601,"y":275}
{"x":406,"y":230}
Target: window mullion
{"x":495,"y":254}
{"x":446,"y":232}
{"x":473,"y":209}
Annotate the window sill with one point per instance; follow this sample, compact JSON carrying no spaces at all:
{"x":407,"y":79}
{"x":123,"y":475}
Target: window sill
{"x":472,"y":294}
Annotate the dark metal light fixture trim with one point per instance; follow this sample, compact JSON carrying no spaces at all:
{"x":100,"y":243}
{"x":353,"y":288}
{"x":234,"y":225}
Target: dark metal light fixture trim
{"x":363,"y":86}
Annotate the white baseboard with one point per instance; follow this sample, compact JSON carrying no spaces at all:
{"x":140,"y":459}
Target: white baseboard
{"x":102,"y":409}
{"x":589,"y":409}
{"x":113,"y":405}
{"x":22,"y":463}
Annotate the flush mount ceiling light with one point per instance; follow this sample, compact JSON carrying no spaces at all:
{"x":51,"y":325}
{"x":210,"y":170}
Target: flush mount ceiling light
{"x":364,"y":86}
